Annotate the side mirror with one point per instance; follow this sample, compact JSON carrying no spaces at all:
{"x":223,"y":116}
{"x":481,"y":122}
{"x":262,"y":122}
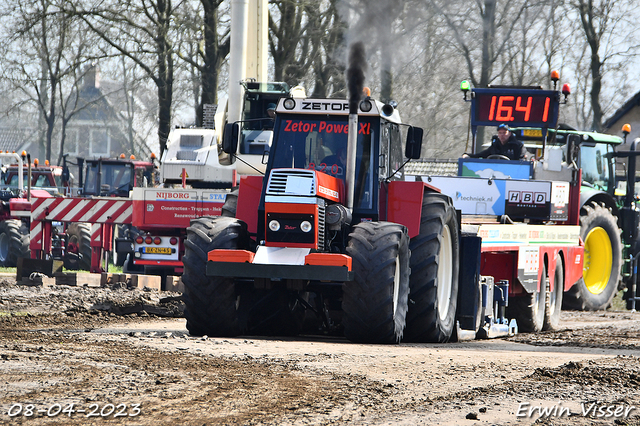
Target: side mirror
{"x":230,"y":137}
{"x":414,"y":143}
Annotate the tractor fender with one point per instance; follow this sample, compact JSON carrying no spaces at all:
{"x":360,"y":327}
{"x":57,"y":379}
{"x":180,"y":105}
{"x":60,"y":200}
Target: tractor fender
{"x":249,"y":193}
{"x":404,"y":203}
{"x":588,"y":195}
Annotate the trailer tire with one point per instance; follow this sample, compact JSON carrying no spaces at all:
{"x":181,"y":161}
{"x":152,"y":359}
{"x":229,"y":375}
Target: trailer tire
{"x":374,"y":304}
{"x":529,"y":309}
{"x":79,"y":245}
{"x":230,"y":205}
{"x":602,"y":260}
{"x":214,"y":306}
{"x":553,"y":302}
{"x":435,"y":258}
{"x":131,"y":268}
{"x":14,"y":242}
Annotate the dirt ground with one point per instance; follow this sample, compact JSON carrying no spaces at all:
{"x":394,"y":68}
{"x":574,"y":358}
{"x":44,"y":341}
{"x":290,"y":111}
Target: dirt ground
{"x":117,"y":356}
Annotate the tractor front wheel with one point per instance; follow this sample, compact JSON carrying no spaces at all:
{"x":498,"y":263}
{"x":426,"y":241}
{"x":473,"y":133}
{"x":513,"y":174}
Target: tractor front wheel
{"x":214,"y":306}
{"x":374,"y":304}
{"x":14,"y":242}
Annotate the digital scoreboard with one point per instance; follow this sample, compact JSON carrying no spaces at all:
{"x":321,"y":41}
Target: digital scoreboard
{"x":515,"y":107}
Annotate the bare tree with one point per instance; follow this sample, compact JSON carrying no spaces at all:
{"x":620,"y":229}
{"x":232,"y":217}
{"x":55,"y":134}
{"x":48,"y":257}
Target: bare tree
{"x":46,"y":49}
{"x":144,"y":31}
{"x":605,"y":25}
{"x":204,"y":46}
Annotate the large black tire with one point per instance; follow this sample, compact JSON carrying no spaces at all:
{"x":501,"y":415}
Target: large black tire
{"x":14,"y":242}
{"x":529,"y":309}
{"x":602,"y":260}
{"x":230,"y":204}
{"x":435,"y":258}
{"x":553,"y":302}
{"x":214,"y":306}
{"x":374,"y":305}
{"x":79,"y":246}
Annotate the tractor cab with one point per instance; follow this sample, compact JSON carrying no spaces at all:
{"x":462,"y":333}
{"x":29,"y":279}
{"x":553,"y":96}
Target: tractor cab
{"x":593,"y":152}
{"x":257,"y":124}
{"x":304,"y":140}
{"x":311,"y":144}
{"x":115,"y":178}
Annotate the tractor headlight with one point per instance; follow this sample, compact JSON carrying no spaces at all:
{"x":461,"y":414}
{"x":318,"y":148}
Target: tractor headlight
{"x":305,"y":226}
{"x":289,"y":103}
{"x":274,"y":225}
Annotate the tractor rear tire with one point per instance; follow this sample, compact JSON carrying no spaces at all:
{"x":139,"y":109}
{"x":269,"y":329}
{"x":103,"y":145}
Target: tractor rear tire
{"x":230,"y":204}
{"x":214,"y":306}
{"x":529,"y":309}
{"x":553,"y":302}
{"x":435,"y":258}
{"x":374,"y":304}
{"x":602,"y":261}
{"x":78,"y":243}
{"x":14,"y":242}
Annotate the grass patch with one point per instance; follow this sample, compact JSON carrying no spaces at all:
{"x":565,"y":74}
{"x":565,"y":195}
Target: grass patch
{"x":113,"y":269}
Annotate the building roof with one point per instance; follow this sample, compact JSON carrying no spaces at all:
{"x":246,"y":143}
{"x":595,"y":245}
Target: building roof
{"x":432,"y":167}
{"x":12,"y":139}
{"x":628,"y":106}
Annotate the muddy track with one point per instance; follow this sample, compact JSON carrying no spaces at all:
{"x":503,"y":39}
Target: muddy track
{"x":125,"y":357}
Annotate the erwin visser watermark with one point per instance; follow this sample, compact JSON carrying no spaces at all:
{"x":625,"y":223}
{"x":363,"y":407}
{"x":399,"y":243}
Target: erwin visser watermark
{"x":591,"y":409}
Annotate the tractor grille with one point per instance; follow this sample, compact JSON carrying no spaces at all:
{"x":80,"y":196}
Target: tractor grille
{"x":279,"y":178}
{"x":321,"y":224}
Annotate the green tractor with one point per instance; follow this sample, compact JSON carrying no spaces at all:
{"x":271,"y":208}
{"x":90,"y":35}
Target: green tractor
{"x":608,"y":238}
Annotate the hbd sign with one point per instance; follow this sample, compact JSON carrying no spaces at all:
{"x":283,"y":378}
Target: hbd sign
{"x":527,"y":197}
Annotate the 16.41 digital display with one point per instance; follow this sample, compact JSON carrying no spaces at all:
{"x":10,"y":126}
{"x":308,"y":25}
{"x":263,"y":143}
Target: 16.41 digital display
{"x":517,"y":108}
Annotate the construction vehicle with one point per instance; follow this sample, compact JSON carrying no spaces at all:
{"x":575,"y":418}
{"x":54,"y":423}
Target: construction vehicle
{"x":380,"y":258}
{"x":194,"y":156}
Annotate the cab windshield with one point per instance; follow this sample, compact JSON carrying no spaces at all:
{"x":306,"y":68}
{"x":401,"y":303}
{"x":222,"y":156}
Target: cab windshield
{"x":595,"y":166}
{"x":320,"y":143}
{"x":115,"y":179}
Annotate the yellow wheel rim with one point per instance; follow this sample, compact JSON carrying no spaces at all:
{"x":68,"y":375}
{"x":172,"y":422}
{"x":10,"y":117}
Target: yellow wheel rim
{"x":598,"y":257}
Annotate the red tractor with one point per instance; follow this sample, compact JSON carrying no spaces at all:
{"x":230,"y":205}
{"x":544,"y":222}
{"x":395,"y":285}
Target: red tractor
{"x":332,"y":229}
{"x":14,"y":204}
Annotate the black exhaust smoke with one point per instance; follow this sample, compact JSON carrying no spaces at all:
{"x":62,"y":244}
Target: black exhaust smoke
{"x":355,"y":75}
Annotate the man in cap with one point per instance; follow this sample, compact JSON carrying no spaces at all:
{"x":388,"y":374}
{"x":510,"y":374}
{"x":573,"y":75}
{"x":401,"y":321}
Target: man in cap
{"x":504,"y":143}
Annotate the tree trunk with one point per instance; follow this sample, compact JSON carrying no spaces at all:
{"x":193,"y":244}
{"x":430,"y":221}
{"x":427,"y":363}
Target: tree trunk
{"x":209,"y":71}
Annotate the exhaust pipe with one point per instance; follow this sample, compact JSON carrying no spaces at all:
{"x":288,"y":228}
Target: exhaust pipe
{"x":355,"y":83}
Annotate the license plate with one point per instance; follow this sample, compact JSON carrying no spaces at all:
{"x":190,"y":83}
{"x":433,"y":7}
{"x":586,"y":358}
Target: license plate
{"x":157,"y":250}
{"x":533,"y":133}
